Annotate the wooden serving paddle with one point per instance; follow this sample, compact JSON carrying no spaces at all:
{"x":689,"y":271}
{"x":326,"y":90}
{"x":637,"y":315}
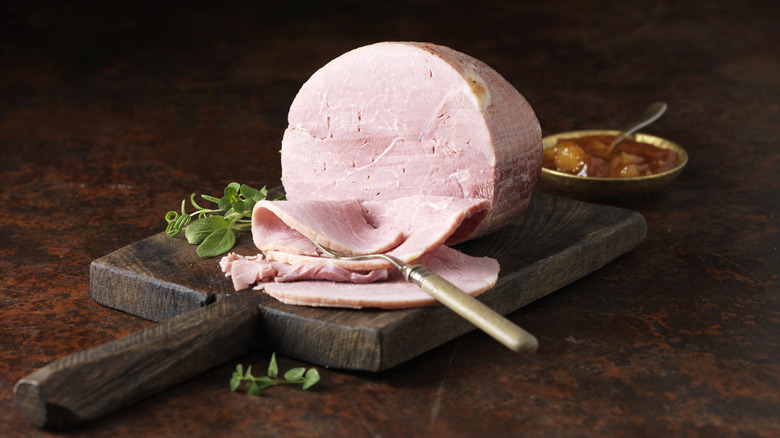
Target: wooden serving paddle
{"x":204,"y":323}
{"x":89,"y":384}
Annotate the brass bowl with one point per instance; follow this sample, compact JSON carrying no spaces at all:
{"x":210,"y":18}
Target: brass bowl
{"x":592,"y":188}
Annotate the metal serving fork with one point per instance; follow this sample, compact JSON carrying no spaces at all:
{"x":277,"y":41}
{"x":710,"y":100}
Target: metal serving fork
{"x":491,"y":322}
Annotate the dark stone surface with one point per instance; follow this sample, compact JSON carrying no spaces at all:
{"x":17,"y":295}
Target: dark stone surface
{"x":112,"y":112}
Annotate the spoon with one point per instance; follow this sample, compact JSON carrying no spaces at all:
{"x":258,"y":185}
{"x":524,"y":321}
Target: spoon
{"x":651,"y":114}
{"x":491,"y":322}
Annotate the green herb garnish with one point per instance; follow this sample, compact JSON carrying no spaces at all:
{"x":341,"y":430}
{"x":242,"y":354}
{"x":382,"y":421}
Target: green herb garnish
{"x":215,"y":229}
{"x":256,"y":384}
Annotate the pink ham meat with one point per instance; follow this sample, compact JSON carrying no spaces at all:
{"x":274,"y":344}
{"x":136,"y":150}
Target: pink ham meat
{"x":397,"y":119}
{"x":291,"y":271}
{"x":473,"y":275}
{"x":395,"y":147}
{"x":246,"y":271}
{"x":340,"y":225}
{"x":405,"y":228}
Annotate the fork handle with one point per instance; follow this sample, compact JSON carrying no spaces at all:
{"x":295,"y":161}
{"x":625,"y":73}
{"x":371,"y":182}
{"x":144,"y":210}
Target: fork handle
{"x":491,"y":322}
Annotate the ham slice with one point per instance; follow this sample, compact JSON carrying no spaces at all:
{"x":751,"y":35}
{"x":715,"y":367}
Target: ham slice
{"x":340,"y":225}
{"x":282,"y":229}
{"x":397,"y":119}
{"x":473,"y":275}
{"x":407,"y":227}
{"x":246,"y":271}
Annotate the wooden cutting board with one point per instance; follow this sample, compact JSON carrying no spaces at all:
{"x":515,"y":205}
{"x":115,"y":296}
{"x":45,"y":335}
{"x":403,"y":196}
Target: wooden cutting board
{"x":205,"y":323}
{"x":555,"y":242}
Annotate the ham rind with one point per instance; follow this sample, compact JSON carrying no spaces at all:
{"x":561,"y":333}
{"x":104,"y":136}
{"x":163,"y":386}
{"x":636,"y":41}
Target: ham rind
{"x":397,"y":119}
{"x":473,"y":275}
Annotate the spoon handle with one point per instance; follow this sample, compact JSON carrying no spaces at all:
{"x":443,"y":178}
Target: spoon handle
{"x":651,"y":114}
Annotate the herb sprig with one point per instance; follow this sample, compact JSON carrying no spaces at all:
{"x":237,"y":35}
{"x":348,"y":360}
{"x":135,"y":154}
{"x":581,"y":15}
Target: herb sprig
{"x":214,"y":231}
{"x":256,"y":384}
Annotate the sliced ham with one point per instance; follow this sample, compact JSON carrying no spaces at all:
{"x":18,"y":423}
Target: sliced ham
{"x":246,"y":271}
{"x":397,"y":119}
{"x":340,"y":225}
{"x":473,"y":275}
{"x":426,"y":220}
{"x":395,"y":147}
{"x":405,"y":228}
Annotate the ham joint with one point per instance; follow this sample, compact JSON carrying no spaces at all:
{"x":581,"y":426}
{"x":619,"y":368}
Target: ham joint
{"x":395,"y":147}
{"x":397,"y":119}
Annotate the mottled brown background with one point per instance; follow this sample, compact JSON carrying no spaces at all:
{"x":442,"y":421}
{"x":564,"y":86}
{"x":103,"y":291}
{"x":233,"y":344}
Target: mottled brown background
{"x":112,"y":112}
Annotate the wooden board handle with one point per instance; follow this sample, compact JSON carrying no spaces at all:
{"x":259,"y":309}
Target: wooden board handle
{"x":89,"y":384}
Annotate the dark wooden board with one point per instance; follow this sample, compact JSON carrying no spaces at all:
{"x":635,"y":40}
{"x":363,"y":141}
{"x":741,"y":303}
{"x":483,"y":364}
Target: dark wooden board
{"x":555,"y":242}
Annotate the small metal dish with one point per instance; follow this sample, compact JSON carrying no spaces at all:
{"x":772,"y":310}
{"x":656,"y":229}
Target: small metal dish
{"x":591,"y":188}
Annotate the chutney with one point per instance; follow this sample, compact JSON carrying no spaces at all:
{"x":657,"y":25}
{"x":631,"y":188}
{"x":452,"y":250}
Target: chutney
{"x":590,"y":156}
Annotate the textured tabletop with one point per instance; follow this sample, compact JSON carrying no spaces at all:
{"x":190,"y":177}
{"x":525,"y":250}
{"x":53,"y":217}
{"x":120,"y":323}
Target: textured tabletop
{"x":112,"y":113}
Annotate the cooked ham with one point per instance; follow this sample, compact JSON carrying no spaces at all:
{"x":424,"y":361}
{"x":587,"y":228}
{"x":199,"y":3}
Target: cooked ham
{"x":246,"y":271}
{"x":395,"y":147}
{"x":397,"y":119}
{"x":340,"y":225}
{"x":426,"y":220}
{"x":473,"y":275}
{"x":405,"y":228}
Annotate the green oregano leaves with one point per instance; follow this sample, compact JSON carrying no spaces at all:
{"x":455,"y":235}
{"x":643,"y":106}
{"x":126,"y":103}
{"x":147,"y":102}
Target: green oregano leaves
{"x":214,"y":230}
{"x":306,"y":378}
